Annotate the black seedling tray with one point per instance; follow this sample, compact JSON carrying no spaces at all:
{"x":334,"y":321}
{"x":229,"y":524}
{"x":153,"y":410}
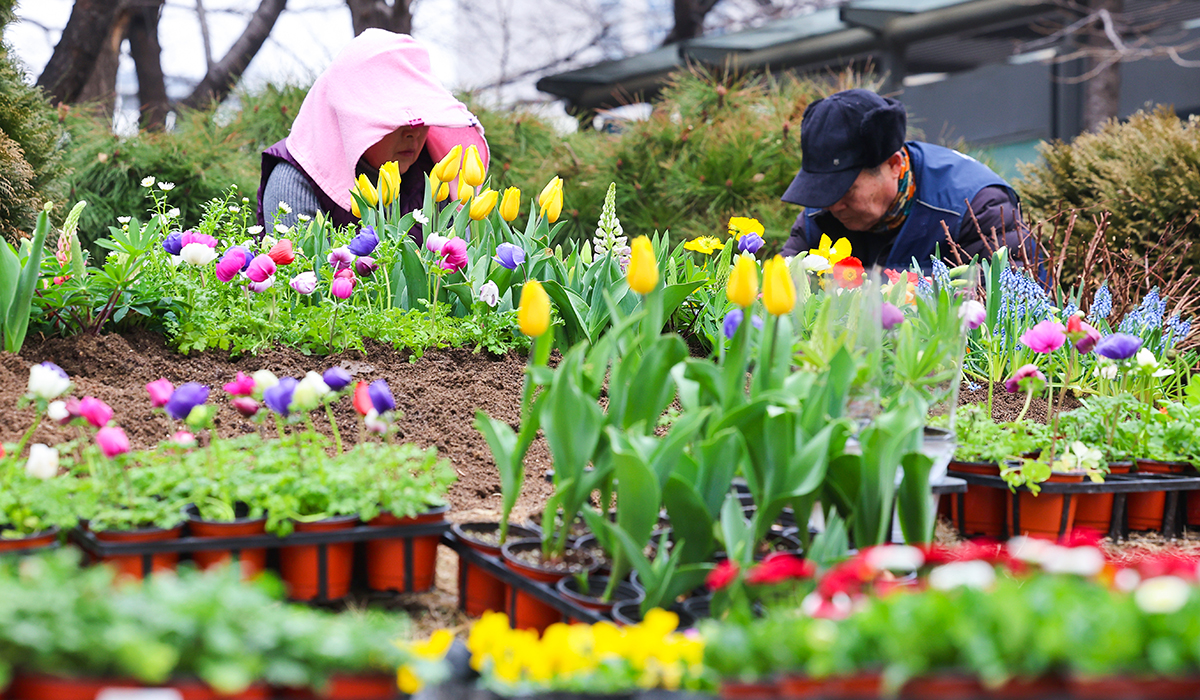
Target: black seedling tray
{"x":1174,"y":513}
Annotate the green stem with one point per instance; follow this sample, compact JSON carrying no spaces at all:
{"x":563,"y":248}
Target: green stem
{"x":1028,"y":400}
{"x":333,"y":324}
{"x":337,"y":437}
{"x":28,"y":434}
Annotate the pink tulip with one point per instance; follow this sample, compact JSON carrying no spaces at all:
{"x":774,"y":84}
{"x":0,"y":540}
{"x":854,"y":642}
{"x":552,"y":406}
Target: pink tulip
{"x":1045,"y":337}
{"x":95,"y":411}
{"x":454,"y":255}
{"x":241,"y":385}
{"x":112,"y":441}
{"x":245,"y":405}
{"x":342,"y":287}
{"x":261,"y":267}
{"x":160,"y":392}
{"x":231,"y":264}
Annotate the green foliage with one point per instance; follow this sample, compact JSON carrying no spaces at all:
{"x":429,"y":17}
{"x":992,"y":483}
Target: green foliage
{"x":1145,"y":171}
{"x":30,"y":151}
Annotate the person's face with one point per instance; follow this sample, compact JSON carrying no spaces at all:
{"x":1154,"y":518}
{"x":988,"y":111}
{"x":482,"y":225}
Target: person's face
{"x":402,"y":145}
{"x":868,"y":199}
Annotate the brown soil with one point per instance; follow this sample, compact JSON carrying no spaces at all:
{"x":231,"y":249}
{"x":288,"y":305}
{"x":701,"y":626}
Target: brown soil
{"x":1006,"y":406}
{"x":438,"y":396}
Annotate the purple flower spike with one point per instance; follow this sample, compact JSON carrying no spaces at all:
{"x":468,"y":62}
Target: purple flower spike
{"x":173,"y":243}
{"x":890,"y":316}
{"x":381,"y":396}
{"x":336,"y":378}
{"x":279,"y":397}
{"x":365,"y":242}
{"x":750,"y":243}
{"x":1119,"y":346}
{"x":184,"y":399}
{"x":509,"y":256}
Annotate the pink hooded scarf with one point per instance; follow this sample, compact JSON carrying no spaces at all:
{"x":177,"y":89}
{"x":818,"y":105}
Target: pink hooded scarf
{"x":380,"y":82}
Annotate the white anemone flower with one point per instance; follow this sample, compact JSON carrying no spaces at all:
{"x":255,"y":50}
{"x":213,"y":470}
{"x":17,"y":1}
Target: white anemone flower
{"x":47,"y":381}
{"x":489,"y":294}
{"x":1162,"y":594}
{"x":197,"y":254}
{"x":976,"y":574}
{"x":43,"y":462}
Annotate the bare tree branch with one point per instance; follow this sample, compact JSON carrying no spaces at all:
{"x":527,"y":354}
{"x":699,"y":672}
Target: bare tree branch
{"x":75,"y":54}
{"x":221,"y":77}
{"x":205,"y":35}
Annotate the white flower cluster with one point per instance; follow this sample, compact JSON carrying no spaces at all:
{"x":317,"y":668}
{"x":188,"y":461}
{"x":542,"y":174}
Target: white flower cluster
{"x":610,"y":237}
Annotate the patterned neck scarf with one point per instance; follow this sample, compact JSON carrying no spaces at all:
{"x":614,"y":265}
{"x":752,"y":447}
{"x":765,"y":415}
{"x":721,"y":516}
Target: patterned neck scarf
{"x":897,"y":213}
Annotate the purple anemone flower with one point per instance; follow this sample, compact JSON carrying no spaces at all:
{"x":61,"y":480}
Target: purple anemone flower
{"x":1119,"y":346}
{"x":279,"y":397}
{"x":509,"y":255}
{"x":890,"y":316}
{"x":173,"y":243}
{"x":336,"y":378}
{"x":365,"y":242}
{"x":341,"y":259}
{"x":184,"y":399}
{"x":733,"y":319}
{"x":381,"y":396}
{"x":750,"y":243}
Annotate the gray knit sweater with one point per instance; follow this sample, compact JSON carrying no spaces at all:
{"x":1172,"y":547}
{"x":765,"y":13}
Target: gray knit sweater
{"x":287,"y":184}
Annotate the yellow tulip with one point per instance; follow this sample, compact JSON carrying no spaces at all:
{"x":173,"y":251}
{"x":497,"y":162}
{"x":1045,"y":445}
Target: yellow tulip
{"x":366,"y":190}
{"x":742,"y":288}
{"x":465,"y":191}
{"x":447,"y":168}
{"x":551,"y":199}
{"x":354,"y":208}
{"x":483,"y":204}
{"x":389,"y":182}
{"x":643,"y":267}
{"x":533,"y":314}
{"x":443,"y":191}
{"x":510,"y":206}
{"x":472,"y":170}
{"x":779,"y":294}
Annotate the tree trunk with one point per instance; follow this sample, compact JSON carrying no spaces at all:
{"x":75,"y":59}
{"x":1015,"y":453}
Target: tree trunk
{"x":689,"y":19}
{"x":101,"y":86}
{"x":223,"y":75}
{"x":1102,"y":94}
{"x":147,"y":61}
{"x":376,"y":13}
{"x":83,"y":40}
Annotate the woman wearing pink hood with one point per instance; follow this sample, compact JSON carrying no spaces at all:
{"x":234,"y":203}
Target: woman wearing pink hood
{"x":376,"y":103}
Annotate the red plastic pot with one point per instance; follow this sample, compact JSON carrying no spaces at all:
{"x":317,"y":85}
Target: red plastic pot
{"x":568,"y":587}
{"x":756,"y":690}
{"x":949,"y":686}
{"x":39,"y":686}
{"x":1041,"y":515}
{"x":45,"y":538}
{"x":524,"y":610}
{"x":299,"y":564}
{"x":983,"y":507}
{"x":252,"y":561}
{"x":798,"y":687}
{"x":386,"y":563}
{"x":861,"y":686}
{"x":131,"y":565}
{"x":1095,"y":509}
{"x":1145,"y":509}
{"x":1029,"y":688}
{"x":373,"y":686}
{"x":479,"y":591}
{"x":1134,"y":687}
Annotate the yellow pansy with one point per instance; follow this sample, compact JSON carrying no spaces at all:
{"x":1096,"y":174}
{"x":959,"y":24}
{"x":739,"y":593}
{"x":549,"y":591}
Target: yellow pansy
{"x":741,"y":225}
{"x":742,"y":288}
{"x":432,"y":649}
{"x":831,"y":251}
{"x":643,"y":266}
{"x":704,"y":244}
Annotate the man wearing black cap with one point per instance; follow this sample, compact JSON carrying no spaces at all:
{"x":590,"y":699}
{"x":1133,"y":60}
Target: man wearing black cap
{"x":860,"y":180}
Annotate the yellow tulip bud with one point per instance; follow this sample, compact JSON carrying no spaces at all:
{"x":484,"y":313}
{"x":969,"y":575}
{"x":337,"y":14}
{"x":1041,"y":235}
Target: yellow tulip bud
{"x":533,"y":314}
{"x":389,"y":182}
{"x":483,"y":204}
{"x":367,"y":190}
{"x":447,"y":168}
{"x":643,"y":267}
{"x":510,"y":206}
{"x":472,"y":170}
{"x":465,"y":191}
{"x":354,"y":208}
{"x":443,"y":191}
{"x":779,"y":294}
{"x":742,"y":288}
{"x":551,"y":199}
